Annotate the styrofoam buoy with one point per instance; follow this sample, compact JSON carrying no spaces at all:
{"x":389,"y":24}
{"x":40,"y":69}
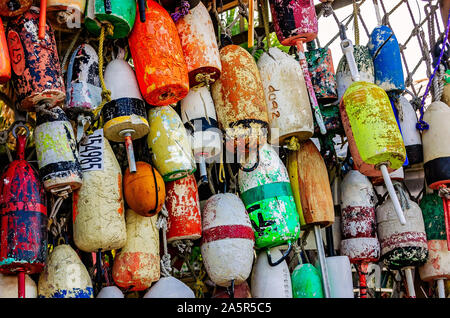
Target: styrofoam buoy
{"x":65,"y":276}
{"x":306,"y":282}
{"x":110,"y":292}
{"x":270,"y":281}
{"x":227,"y":240}
{"x":340,"y":277}
{"x":286,"y":97}
{"x":198,"y":40}
{"x":9,"y":286}
{"x":169,"y":287}
{"x":137,"y":265}
{"x":411,"y":135}
{"x":98,"y":206}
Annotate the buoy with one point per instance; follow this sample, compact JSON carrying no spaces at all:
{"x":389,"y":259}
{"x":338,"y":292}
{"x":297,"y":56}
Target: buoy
{"x":306,"y":282}
{"x":321,"y":68}
{"x":36,"y":72}
{"x":144,"y":190}
{"x":84,"y":91}
{"x":286,"y":97}
{"x":65,"y":15}
{"x":198,"y":40}
{"x":402,"y":246}
{"x":182,"y":203}
{"x":269,"y":281}
{"x":239,"y":100}
{"x":98,"y":206}
{"x":411,"y":135}
{"x":169,"y":144}
{"x":9,"y":286}
{"x":110,"y":292}
{"x":312,"y":193}
{"x":5,"y":62}
{"x":65,"y":276}
{"x":267,"y":195}
{"x":239,"y":291}
{"x":359,"y":233}
{"x":227,"y":240}
{"x":385,"y":52}
{"x":364,"y":64}
{"x":446,"y":92}
{"x":124,"y":116}
{"x":199,"y":117}
{"x":57,"y":153}
{"x":11,"y":8}
{"x":136,"y":266}
{"x":23,"y":219}
{"x":295,"y":23}
{"x":120,"y":14}
{"x":169,"y":287}
{"x":158,"y":57}
{"x":436,"y":154}
{"x":437,"y":267}
{"x":340,"y":276}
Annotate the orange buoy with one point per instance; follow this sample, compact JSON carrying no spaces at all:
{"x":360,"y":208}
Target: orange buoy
{"x":158,"y":57}
{"x":140,"y":191}
{"x":239,"y":100}
{"x":199,"y":44}
{"x":5,"y":62}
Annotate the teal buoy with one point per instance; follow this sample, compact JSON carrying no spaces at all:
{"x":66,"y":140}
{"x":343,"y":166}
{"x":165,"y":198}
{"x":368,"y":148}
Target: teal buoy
{"x":306,"y":282}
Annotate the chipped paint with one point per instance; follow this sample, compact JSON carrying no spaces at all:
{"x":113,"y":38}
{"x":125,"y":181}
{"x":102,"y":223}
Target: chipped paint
{"x":23,"y":6}
{"x":321,"y":72}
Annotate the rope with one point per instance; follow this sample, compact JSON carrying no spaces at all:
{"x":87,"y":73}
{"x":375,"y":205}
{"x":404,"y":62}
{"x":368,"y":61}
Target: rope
{"x":293,"y":144}
{"x":355,"y":22}
{"x":69,"y":49}
{"x":422,"y":125}
{"x":161,"y":223}
{"x":265,"y":17}
{"x":42,"y":108}
{"x":444,"y":192}
{"x":106,"y":94}
{"x":183,"y":247}
{"x":404,"y":202}
{"x":62,"y":195}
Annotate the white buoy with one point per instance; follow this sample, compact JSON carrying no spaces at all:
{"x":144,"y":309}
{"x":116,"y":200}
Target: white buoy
{"x":8,"y":286}
{"x":340,"y":277}
{"x":110,"y":292}
{"x":169,"y":287}
{"x":411,"y":135}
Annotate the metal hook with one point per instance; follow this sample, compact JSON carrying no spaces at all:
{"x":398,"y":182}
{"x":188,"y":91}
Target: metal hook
{"x":19,"y":125}
{"x":269,"y":257}
{"x":254,"y":166}
{"x":230,"y":289}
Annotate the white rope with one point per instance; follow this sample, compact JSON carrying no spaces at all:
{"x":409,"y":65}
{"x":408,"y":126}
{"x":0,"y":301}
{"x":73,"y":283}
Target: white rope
{"x":161,"y":223}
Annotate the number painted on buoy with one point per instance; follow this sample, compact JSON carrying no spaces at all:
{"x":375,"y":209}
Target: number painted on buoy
{"x":91,"y":152}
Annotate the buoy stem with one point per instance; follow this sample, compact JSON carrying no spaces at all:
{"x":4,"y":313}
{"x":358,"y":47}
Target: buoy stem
{"x":441,"y":288}
{"x":21,"y":284}
{"x":363,"y":279}
{"x":309,"y":86}
{"x":141,"y":5}
{"x":392,"y":194}
{"x":410,"y":282}
{"x":251,"y":30}
{"x":130,"y":151}
{"x":322,"y":261}
{"x":347,"y":49}
{"x":42,"y":19}
{"x":202,"y":166}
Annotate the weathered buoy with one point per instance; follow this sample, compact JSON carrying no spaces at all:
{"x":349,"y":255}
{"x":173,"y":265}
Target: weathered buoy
{"x":437,"y":267}
{"x":182,"y":203}
{"x":239,"y":100}
{"x":124,"y":116}
{"x":270,"y":281}
{"x":340,"y":277}
{"x":199,"y":117}
{"x":65,"y":15}
{"x":227,"y":240}
{"x":84,"y":92}
{"x":198,"y":40}
{"x":402,"y":246}
{"x":56,"y":150}
{"x":321,"y":68}
{"x":144,"y":190}
{"x":312,"y":193}
{"x":359,"y":233}
{"x":120,"y":14}
{"x":385,"y":52}
{"x":65,"y":276}
{"x":5,"y":62}
{"x":9,"y":286}
{"x":136,"y":266}
{"x":158,"y":57}
{"x":364,"y":64}
{"x":36,"y":72}
{"x":169,"y":144}
{"x":98,"y":206}
{"x":23,"y":219}
{"x":11,"y":8}
{"x":306,"y":282}
{"x":286,"y":97}
{"x":411,"y":135}
{"x":110,"y":292}
{"x":267,"y":195}
{"x":169,"y":287}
